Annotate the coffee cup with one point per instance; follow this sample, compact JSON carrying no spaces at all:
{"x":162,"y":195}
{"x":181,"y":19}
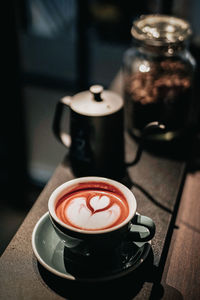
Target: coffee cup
{"x":94,"y":215}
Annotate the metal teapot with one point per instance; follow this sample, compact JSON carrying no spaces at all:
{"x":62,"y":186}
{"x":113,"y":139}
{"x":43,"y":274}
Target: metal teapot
{"x":96,"y":131}
{"x":95,"y":137}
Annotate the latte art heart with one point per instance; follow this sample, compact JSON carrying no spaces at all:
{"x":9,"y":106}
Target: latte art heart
{"x":80,"y":215}
{"x":98,"y":202}
{"x":92,"y":209}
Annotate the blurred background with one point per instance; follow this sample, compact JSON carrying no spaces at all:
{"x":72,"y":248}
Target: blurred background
{"x":51,"y":49}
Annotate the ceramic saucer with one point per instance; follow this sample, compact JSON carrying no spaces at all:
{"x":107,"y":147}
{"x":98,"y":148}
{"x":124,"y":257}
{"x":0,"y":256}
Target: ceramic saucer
{"x":51,"y":253}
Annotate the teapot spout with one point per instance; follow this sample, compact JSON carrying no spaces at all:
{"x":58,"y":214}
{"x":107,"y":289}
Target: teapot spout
{"x":148,"y":130}
{"x":66,"y":100}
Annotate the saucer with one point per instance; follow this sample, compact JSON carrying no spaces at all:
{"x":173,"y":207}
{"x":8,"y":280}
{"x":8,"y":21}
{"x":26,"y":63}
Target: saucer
{"x":55,"y":257}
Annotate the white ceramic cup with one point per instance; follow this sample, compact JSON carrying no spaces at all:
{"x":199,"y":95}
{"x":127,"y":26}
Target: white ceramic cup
{"x":87,"y":242}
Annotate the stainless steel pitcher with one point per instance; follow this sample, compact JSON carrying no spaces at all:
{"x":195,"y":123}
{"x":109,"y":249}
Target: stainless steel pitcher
{"x":96,"y":132}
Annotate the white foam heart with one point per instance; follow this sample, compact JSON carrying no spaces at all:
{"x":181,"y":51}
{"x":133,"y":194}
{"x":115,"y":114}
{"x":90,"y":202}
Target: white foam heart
{"x":99,"y":202}
{"x":79,"y":214}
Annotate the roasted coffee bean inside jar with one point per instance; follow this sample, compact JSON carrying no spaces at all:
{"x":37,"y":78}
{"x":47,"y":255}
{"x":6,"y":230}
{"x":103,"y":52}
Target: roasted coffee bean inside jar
{"x":158,"y":76}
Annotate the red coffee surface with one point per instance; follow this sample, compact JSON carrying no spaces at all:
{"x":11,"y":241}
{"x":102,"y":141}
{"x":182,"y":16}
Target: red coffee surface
{"x":93,"y":206}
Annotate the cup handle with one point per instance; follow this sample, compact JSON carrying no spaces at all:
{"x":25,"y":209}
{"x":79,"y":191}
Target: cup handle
{"x":142,"y":236}
{"x":148,"y":129}
{"x":61,"y":135}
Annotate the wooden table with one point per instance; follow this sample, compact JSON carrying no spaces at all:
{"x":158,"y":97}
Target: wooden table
{"x":172,"y":269}
{"x":181,"y":277}
{"x":157,"y":184}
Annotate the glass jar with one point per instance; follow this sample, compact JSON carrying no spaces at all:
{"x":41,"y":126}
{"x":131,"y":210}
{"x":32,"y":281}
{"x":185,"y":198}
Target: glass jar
{"x":158,"y":75}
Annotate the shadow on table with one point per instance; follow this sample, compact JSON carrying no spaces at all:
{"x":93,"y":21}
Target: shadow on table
{"x":130,"y":184}
{"x":125,"y":287}
{"x":126,"y":180}
{"x":165,"y":292}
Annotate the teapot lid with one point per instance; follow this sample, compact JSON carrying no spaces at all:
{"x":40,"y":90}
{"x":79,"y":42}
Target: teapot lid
{"x":96,"y":102}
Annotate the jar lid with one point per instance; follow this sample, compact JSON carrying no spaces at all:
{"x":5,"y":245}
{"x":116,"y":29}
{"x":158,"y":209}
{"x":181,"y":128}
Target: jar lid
{"x":160,"y":29}
{"x":96,"y":102}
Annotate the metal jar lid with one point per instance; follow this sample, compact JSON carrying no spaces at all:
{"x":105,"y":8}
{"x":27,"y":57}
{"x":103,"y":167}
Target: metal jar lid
{"x":159,"y":30}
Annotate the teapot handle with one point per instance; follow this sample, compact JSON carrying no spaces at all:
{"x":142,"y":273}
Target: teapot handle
{"x":65,"y":138}
{"x":148,"y":129}
{"x":61,"y":135}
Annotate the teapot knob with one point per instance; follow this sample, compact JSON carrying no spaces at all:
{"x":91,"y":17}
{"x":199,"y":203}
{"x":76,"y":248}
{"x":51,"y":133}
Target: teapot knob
{"x":96,"y":90}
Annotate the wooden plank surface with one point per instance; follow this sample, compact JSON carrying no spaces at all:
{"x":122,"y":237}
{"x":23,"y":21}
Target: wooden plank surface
{"x":155,"y":181}
{"x":181,"y":278}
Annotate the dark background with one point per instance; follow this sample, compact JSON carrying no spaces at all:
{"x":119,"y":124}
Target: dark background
{"x":51,"y":49}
